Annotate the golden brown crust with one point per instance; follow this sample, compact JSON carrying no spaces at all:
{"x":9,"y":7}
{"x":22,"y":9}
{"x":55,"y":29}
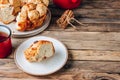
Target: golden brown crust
{"x":32,"y":51}
{"x":23,"y":25}
{"x":16,"y":10}
{"x":37,"y":23}
{"x":15,"y":3}
{"x":4,"y":1}
{"x":28,"y":25}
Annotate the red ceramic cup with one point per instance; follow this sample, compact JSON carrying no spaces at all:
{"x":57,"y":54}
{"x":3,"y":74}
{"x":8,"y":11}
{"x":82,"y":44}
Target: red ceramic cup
{"x":5,"y":41}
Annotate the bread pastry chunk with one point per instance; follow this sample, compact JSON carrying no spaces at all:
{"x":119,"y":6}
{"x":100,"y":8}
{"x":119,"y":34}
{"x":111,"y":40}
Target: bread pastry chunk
{"x":16,"y":10}
{"x":31,"y":16}
{"x":15,"y":3}
{"x":6,"y":14}
{"x":8,"y":10}
{"x":39,"y":51}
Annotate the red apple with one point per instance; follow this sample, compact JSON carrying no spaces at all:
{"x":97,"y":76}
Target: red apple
{"x":67,"y":4}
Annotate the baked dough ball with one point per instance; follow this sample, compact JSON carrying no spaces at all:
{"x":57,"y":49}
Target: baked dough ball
{"x":38,"y":22}
{"x":22,"y":16}
{"x":33,"y":15}
{"x":39,"y":51}
{"x":42,"y":9}
{"x":28,"y":7}
{"x":46,"y":2}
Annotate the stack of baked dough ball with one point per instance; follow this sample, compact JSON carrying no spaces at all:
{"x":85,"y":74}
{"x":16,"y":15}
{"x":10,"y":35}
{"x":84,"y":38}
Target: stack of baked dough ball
{"x":30,"y":13}
{"x":39,"y":51}
{"x":31,"y":16}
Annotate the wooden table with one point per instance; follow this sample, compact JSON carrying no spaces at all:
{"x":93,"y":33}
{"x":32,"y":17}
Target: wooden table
{"x":94,"y":51}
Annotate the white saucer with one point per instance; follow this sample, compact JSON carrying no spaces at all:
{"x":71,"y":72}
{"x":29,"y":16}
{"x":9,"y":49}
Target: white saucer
{"x":44,"y":67}
{"x":16,"y":33}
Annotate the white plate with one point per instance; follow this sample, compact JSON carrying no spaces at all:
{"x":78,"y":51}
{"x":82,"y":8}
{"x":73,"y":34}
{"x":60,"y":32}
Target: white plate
{"x":16,"y":33}
{"x":44,"y":67}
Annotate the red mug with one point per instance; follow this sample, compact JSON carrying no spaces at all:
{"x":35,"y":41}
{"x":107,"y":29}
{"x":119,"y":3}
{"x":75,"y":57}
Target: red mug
{"x":5,"y":41}
{"x":67,"y":4}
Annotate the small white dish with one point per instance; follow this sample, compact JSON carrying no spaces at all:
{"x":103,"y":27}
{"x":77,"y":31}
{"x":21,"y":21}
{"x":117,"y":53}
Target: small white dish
{"x":16,"y":33}
{"x":45,"y":67}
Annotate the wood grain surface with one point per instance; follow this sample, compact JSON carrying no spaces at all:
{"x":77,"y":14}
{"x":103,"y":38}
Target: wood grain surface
{"x":94,"y":49}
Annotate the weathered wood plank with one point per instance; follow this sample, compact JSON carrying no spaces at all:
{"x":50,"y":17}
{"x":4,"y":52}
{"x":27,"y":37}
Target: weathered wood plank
{"x":77,"y":76}
{"x":94,"y":55}
{"x":94,"y":45}
{"x":83,"y":40}
{"x":79,"y":69}
{"x":92,"y":20}
{"x":91,"y":13}
{"x":8,"y":66}
{"x":90,"y":27}
{"x":76,"y":35}
{"x":83,"y":36}
{"x":90,"y":55}
{"x":100,"y":4}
